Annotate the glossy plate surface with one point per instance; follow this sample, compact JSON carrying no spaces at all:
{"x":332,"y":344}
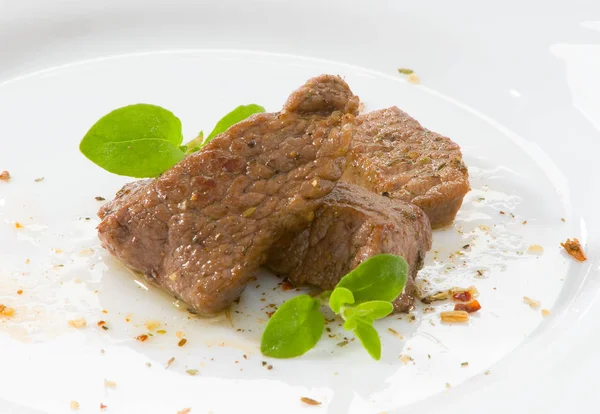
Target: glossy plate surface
{"x":519,"y":93}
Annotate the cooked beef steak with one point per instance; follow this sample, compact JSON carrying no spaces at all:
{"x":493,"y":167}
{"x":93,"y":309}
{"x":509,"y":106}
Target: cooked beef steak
{"x":202,"y":229}
{"x":352,"y":225}
{"x":393,"y":155}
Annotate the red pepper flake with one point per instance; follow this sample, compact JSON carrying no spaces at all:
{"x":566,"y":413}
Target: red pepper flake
{"x":101,"y":323}
{"x":103,"y":407}
{"x":182,"y":342}
{"x":464,"y":296}
{"x":573,"y":247}
{"x":142,"y":338}
{"x":18,"y":225}
{"x":20,"y":292}
{"x":468,"y":307}
{"x":309,"y":401}
{"x":502,"y":212}
{"x":4,"y":176}
{"x":286,"y":285}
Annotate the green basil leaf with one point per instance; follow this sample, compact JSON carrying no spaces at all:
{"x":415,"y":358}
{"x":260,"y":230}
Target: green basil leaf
{"x":340,"y":297}
{"x":294,"y":328}
{"x":138,"y":141}
{"x":380,"y":277}
{"x":350,"y":323}
{"x":237,"y":115}
{"x":375,"y":309}
{"x":369,"y":338}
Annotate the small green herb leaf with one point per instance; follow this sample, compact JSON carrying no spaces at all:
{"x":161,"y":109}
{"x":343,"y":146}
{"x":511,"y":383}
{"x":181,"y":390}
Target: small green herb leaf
{"x":294,"y":328}
{"x":368,"y":338}
{"x":380,"y":277}
{"x":138,"y":141}
{"x":350,"y":324}
{"x":340,"y":297}
{"x":405,"y":71}
{"x":237,"y":115}
{"x":375,"y":309}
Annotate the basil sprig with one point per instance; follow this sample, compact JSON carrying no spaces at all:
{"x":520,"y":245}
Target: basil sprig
{"x":361,"y":297}
{"x":143,"y":141}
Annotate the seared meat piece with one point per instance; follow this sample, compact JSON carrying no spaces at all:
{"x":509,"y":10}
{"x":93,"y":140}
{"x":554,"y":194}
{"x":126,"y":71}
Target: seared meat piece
{"x":352,"y":225}
{"x":202,"y":229}
{"x":393,"y":155}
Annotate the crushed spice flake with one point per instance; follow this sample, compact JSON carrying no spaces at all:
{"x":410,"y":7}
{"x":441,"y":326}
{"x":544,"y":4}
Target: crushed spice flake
{"x":74,"y":405}
{"x":454,"y":317}
{"x":286,"y":285}
{"x":98,"y":198}
{"x":562,"y":219}
{"x":191,"y":372}
{"x":435,"y":297}
{"x":405,"y":359}
{"x":39,"y":179}
{"x":18,"y":225}
{"x":184,"y":411}
{"x":545,"y":312}
{"x":170,"y":361}
{"x":110,"y":384}
{"x":405,"y":71}
{"x":6,"y":311}
{"x":464,"y":364}
{"x":395,"y":333}
{"x":161,"y":332}
{"x":524,"y":222}
{"x":141,"y":338}
{"x":103,"y":407}
{"x":78,"y":323}
{"x":4,"y":176}
{"x":152,"y":325}
{"x":269,"y":367}
{"x":182,"y":342}
{"x":148,"y":364}
{"x":533,"y":304}
{"x":20,"y":292}
{"x":343,"y":343}
{"x":414,"y":79}
{"x":309,"y":401}
{"x":573,"y":247}
{"x":470,"y":307}
{"x":535,"y":249}
{"x":487,"y":372}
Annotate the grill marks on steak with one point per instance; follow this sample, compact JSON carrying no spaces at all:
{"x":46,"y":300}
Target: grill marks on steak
{"x":202,"y":230}
{"x":351,"y":225}
{"x":392,"y":154}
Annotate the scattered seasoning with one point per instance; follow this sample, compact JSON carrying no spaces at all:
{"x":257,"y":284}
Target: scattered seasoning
{"x":466,"y":246}
{"x":182,"y":342}
{"x":545,"y":312}
{"x":405,"y":71}
{"x":487,"y":372}
{"x":192,"y":372}
{"x":152,"y":325}
{"x":263,"y":363}
{"x":6,"y":311}
{"x":533,"y":304}
{"x":104,"y":311}
{"x":98,"y":198}
{"x":428,"y":356}
{"x":286,"y":285}
{"x":161,"y":332}
{"x":27,"y":261}
{"x":524,"y":222}
{"x":462,"y":296}
{"x":480,"y":273}
{"x":470,"y":307}
{"x":74,"y":405}
{"x":78,"y":323}
{"x":562,"y":219}
{"x":502,"y":212}
{"x":110,"y":384}
{"x":18,"y":225}
{"x":343,"y":343}
{"x":309,"y":401}
{"x":102,"y":351}
{"x":269,"y":367}
{"x":435,"y":297}
{"x":429,"y":309}
{"x":102,"y":324}
{"x":20,"y":292}
{"x":414,"y":79}
{"x":141,"y":338}
{"x":170,"y":361}
{"x":39,"y":179}
{"x":454,"y":317}
{"x":395,"y":333}
{"x":464,"y":364}
{"x":184,"y":411}
{"x":573,"y":247}
{"x":405,"y":359}
{"x":535,"y":249}
{"x":103,"y":407}
{"x":4,"y":176}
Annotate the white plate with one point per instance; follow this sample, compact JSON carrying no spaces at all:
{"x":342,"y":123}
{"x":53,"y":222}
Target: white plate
{"x":519,"y":93}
